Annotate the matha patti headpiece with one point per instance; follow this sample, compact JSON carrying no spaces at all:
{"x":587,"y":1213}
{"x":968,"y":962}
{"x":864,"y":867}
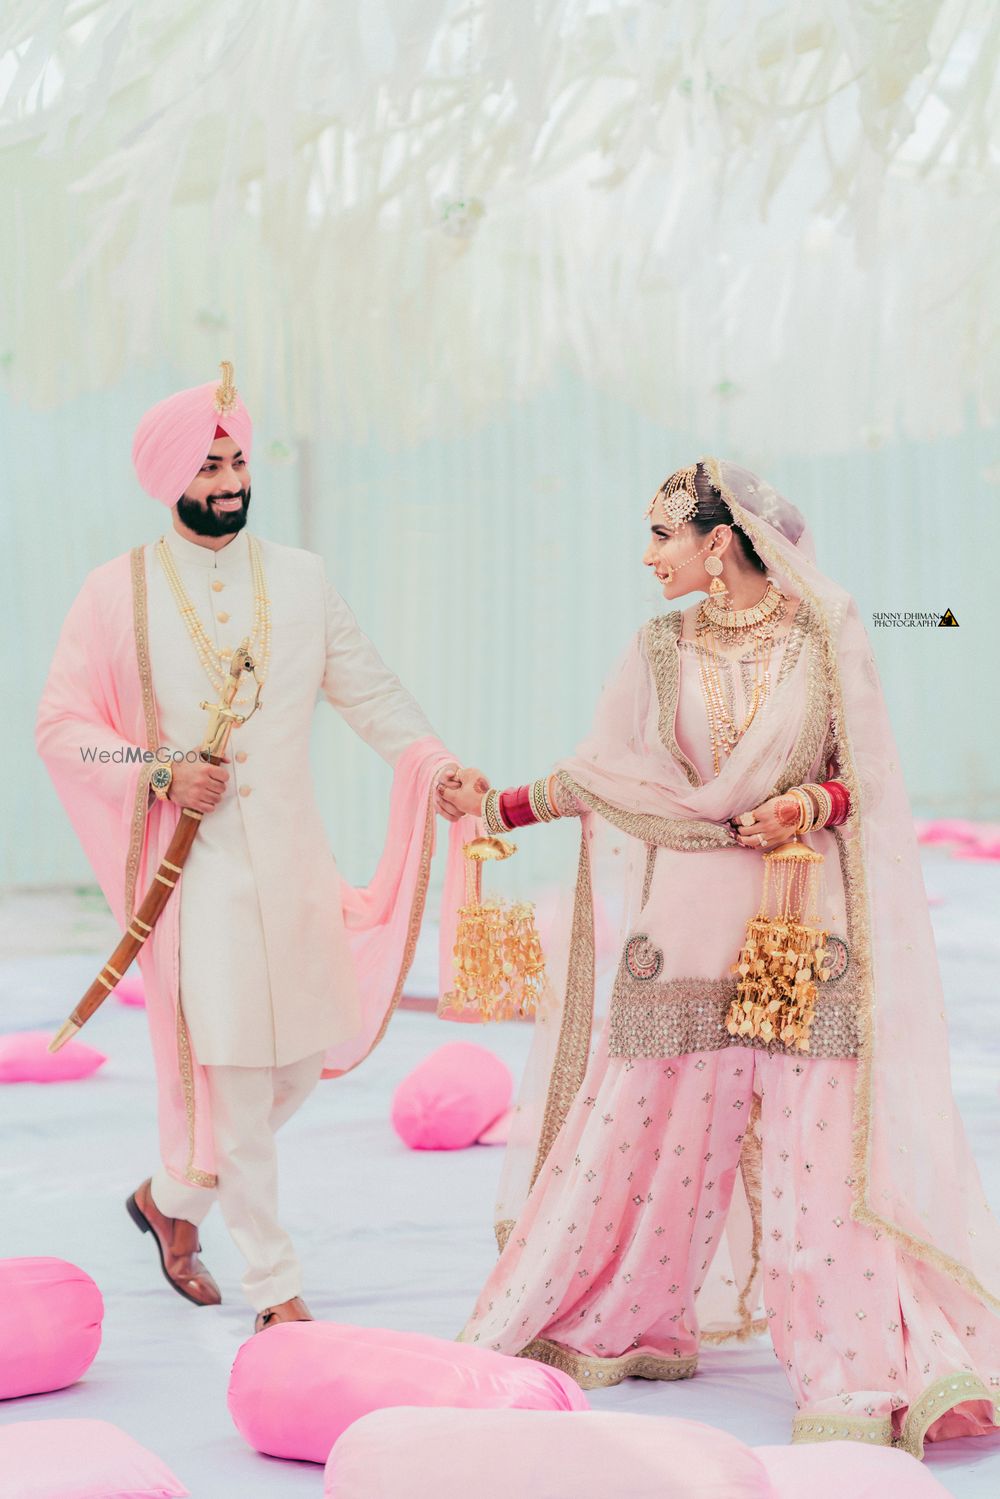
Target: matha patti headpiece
{"x":226,"y":393}
{"x":678,"y":496}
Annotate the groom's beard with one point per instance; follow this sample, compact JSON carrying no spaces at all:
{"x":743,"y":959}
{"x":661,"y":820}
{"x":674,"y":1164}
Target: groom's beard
{"x":203,"y":519}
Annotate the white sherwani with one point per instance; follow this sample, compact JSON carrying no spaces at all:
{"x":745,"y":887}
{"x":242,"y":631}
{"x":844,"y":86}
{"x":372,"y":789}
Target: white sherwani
{"x":265,"y":979}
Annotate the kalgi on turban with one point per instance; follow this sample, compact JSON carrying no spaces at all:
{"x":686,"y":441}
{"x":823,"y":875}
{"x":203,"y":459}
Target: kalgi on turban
{"x":173,"y":438}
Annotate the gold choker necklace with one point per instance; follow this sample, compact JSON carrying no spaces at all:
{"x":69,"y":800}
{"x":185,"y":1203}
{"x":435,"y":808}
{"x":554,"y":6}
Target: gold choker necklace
{"x":732,"y":627}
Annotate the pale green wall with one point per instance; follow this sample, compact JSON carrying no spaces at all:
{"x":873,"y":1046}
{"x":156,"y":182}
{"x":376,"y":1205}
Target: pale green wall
{"x":499,"y":573}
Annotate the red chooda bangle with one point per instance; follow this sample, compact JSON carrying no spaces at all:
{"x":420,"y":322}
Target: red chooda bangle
{"x":841,"y":799}
{"x":515,"y":807}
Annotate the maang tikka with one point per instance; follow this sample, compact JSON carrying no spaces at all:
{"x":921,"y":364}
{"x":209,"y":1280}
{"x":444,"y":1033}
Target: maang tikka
{"x":678,"y":500}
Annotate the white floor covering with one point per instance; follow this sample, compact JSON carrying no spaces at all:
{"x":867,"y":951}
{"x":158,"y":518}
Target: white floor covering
{"x":387,"y":1237}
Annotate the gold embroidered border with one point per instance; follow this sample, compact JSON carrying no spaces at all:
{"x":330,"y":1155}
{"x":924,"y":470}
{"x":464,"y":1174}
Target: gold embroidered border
{"x":660,"y":640}
{"x":874,"y":1430}
{"x":597,"y":1373}
{"x":191,"y":1172}
{"x":941,"y":1396}
{"x":141,"y":621}
{"x":752,"y":1171}
{"x":137,"y":831}
{"x":140,"y":625}
{"x":573,"y":1047}
{"x":682,"y":833}
{"x":413,"y":927}
{"x":856,"y":893}
{"x":565,"y":802}
{"x":503,"y":1230}
{"x":815,"y":724}
{"x":647,"y":879}
{"x":140,"y":807}
{"x":739,"y":1333}
{"x":671,"y":1017}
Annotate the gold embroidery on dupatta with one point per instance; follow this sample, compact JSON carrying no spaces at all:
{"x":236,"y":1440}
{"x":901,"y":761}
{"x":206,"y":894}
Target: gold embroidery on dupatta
{"x":647,"y":879}
{"x":140,"y":624}
{"x":191,"y":1171}
{"x":752,"y":1171}
{"x":502,"y":1230}
{"x":856,"y":895}
{"x":140,"y":805}
{"x":876,"y":1431}
{"x":813,"y":730}
{"x":942,"y":1396}
{"x":413,"y":926}
{"x":683,"y":833}
{"x":802,"y":624}
{"x":573,"y":1046}
{"x":595,"y":1373}
{"x":660,"y":639}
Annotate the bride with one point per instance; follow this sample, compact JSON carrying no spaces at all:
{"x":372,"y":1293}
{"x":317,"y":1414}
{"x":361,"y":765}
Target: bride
{"x":692,"y":1172}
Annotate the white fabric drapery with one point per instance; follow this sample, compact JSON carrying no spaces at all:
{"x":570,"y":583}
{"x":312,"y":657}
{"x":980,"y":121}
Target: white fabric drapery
{"x":762,"y":219}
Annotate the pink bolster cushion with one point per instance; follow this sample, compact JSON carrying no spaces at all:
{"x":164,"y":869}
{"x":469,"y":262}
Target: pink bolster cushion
{"x":25,"y":1058}
{"x":451,"y":1098}
{"x":946,"y":830}
{"x":131,"y":990}
{"x":80,"y":1460}
{"x":494,"y":1454}
{"x":848,"y":1470}
{"x":52,"y":1315}
{"x":295,"y":1387}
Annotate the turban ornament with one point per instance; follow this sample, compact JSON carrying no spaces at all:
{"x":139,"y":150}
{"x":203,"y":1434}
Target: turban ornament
{"x":174,"y":436}
{"x":226,"y":394}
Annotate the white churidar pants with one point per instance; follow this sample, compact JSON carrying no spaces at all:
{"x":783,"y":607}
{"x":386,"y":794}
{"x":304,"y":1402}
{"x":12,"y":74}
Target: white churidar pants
{"x":248,"y":1105}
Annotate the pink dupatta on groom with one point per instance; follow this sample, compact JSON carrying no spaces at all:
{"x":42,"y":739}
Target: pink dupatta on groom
{"x":99,"y":693}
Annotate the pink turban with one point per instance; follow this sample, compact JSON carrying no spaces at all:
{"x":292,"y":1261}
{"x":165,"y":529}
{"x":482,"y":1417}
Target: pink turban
{"x":174,"y":436}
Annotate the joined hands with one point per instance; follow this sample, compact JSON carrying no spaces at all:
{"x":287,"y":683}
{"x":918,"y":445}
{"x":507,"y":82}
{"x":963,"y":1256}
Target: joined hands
{"x":460,"y":792}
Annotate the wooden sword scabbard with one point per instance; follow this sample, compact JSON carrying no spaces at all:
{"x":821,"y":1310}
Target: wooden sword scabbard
{"x":222,"y":723}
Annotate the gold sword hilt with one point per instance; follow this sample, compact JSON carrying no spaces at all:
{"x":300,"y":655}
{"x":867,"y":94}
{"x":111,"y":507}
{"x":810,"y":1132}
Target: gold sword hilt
{"x":224,"y":719}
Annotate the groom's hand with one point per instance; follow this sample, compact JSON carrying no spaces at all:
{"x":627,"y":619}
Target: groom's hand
{"x":460,"y":793}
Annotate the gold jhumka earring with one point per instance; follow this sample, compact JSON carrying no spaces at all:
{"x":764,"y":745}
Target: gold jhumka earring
{"x":499,"y":966}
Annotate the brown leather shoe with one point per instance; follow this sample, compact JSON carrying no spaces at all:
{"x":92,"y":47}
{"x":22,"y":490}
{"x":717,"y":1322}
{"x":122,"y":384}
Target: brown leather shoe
{"x":294,"y":1310}
{"x":177,"y":1242}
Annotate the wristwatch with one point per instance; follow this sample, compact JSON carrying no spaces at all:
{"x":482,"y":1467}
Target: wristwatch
{"x":160,"y":781}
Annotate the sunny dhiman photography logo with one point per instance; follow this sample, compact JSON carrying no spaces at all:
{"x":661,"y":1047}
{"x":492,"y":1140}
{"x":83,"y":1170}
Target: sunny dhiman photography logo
{"x":913,"y":619}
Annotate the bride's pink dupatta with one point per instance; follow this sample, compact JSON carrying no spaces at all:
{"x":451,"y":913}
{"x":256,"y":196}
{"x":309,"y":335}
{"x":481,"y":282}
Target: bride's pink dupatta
{"x":914,"y":1176}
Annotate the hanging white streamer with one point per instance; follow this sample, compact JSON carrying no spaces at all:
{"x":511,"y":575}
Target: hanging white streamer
{"x":773,"y":222}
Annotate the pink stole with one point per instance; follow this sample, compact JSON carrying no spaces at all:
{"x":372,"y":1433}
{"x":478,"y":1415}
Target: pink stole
{"x":104,"y":693}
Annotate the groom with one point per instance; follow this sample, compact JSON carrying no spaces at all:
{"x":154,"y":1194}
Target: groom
{"x":249,"y":974}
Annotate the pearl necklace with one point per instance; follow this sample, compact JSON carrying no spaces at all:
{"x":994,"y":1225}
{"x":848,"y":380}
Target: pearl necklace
{"x":211,"y":658}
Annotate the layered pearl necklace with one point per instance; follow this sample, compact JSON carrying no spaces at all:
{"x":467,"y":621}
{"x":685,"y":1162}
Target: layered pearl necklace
{"x":721,"y":627}
{"x":216,"y":662}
